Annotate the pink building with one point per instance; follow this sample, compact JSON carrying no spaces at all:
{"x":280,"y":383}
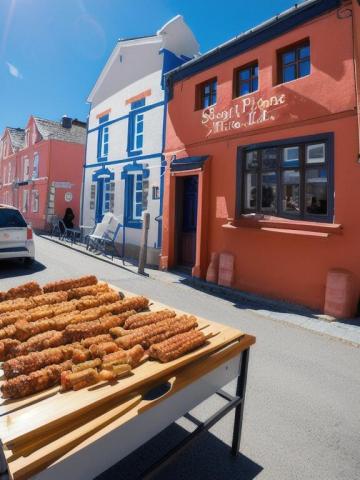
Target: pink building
{"x":41,"y":169}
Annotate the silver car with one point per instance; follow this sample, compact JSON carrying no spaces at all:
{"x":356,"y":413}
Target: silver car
{"x":16,"y":236}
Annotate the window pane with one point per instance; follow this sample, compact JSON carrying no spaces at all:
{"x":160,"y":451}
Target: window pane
{"x":252,"y":159}
{"x":206,"y":102}
{"x":213,"y":98}
{"x":245,"y":74}
{"x":291,"y":156}
{"x":268,"y":191}
{"x":138,"y":210}
{"x":207,"y":89}
{"x":269,"y":157}
{"x":315,"y":153}
{"x":288,"y":57}
{"x":289,"y":73}
{"x":250,"y":191}
{"x":244,"y":88}
{"x":139,"y":141}
{"x":255,"y":71}
{"x":316,"y":191}
{"x":304,"y":68}
{"x":304,"y":52}
{"x":255,"y":84}
{"x":291,"y":191}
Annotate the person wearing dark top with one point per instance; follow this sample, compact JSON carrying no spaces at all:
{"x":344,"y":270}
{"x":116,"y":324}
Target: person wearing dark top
{"x":68,"y":218}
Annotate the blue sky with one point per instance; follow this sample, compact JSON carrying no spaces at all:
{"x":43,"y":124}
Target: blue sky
{"x":51,"y":51}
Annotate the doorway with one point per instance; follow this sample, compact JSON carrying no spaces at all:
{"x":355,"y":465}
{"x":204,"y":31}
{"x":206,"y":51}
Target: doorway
{"x":186,"y":220}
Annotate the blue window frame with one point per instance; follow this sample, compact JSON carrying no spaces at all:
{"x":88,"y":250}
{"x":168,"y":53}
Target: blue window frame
{"x":246,"y":80}
{"x":206,"y":94}
{"x":103,"y":139}
{"x":294,"y":62}
{"x":136,"y":128}
{"x":134,"y":175}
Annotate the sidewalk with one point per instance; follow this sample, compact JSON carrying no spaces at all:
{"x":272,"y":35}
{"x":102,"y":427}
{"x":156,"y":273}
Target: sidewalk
{"x":297,"y":315}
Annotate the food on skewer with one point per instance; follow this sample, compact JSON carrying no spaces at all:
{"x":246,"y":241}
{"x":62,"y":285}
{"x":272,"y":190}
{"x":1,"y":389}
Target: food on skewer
{"x":101,"y":349}
{"x":177,"y":346}
{"x":96,"y":362}
{"x":6,"y":346}
{"x":24,"y":364}
{"x":70,"y":283}
{"x":142,"y":319}
{"x":79,"y":331}
{"x":90,"y":301}
{"x":42,"y":341}
{"x":132,"y":357}
{"x":77,"y":380}
{"x":8,"y":332}
{"x":50,"y":298}
{"x":26,"y":290}
{"x":131,"y":303}
{"x":157,"y":331}
{"x":16,"y":304}
{"x":105,"y":337}
{"x":10,"y":318}
{"x":79,"y":292}
{"x":115,"y":372}
{"x":24,"y":385}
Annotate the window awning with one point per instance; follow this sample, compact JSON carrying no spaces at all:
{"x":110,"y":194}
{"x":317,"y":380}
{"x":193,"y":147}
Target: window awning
{"x":187,"y":163}
{"x":103,"y":173}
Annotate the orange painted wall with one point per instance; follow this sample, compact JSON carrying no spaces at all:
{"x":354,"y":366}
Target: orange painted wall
{"x":275,"y":264}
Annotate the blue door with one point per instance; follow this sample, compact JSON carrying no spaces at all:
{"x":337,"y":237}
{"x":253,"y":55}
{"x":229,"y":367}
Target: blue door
{"x":189,"y":221}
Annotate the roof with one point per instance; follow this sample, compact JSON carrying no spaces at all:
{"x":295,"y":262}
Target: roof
{"x":262,"y":33}
{"x":51,"y":130}
{"x":17,"y":136}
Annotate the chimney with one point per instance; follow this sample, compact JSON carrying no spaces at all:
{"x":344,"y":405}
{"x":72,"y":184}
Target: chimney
{"x":66,"y":121}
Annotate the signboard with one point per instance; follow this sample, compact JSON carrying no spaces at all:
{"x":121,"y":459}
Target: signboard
{"x":247,"y":112}
{"x":63,"y":184}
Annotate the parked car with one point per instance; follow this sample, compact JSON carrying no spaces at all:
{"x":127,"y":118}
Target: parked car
{"x":16,"y":236}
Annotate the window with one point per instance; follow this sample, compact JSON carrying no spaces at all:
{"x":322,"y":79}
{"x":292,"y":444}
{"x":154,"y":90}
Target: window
{"x":35,"y":201}
{"x":290,"y":180}
{"x":156,"y":193}
{"x":109,"y":196}
{"x":92,"y":196}
{"x":294,"y":62}
{"x":25,"y":200}
{"x":27,"y":137}
{"x":25,"y":168}
{"x":136,"y":128}
{"x":206,"y":94}
{"x":11,"y":218}
{"x":134,"y":198}
{"x":9,"y":173}
{"x":103,"y":138}
{"x":36,"y":166}
{"x":246,"y":79}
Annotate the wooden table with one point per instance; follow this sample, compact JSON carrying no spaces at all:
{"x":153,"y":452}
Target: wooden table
{"x":78,"y":435}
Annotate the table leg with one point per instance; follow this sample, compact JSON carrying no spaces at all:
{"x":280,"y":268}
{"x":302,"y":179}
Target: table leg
{"x":239,"y":410}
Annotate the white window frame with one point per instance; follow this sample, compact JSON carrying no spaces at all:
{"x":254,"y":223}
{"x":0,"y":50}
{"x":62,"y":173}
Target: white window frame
{"x":135,"y":191}
{"x":26,"y":168}
{"x":35,"y":201}
{"x":103,"y":143}
{"x":25,"y":200}
{"x":111,"y":191}
{"x":137,"y":134}
{"x":36,"y":162}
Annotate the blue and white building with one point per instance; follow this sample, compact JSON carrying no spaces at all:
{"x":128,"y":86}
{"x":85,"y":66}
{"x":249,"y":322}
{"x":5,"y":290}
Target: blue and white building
{"x":124,"y":165}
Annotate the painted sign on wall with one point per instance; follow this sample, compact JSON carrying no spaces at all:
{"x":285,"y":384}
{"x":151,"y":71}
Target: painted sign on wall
{"x":249,"y":111}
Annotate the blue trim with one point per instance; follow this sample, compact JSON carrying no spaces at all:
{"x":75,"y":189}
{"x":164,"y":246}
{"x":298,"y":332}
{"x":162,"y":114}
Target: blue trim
{"x":187,"y":163}
{"x":115,"y":162}
{"x":103,"y":171}
{"x":136,"y":109}
{"x":124,"y":117}
{"x":253,"y":38}
{"x":129,"y":221}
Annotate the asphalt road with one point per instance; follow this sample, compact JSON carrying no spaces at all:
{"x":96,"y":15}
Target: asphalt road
{"x":302,"y":412}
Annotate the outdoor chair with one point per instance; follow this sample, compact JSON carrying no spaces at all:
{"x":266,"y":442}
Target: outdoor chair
{"x":68,"y":233}
{"x":104,"y":235}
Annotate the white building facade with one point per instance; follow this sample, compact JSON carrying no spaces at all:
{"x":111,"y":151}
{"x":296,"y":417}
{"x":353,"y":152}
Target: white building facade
{"x":124,"y":166}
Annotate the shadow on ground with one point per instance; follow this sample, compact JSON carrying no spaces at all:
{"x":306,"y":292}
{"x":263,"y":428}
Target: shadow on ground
{"x":17,"y":268}
{"x":207,"y":458}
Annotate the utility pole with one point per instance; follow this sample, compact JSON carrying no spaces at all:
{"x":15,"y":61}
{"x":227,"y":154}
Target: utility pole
{"x":144,"y":240}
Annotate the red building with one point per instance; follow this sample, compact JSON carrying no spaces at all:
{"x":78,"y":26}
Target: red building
{"x":41,"y":168}
{"x":262,"y":152}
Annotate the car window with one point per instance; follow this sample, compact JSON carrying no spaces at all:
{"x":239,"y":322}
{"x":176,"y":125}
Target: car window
{"x":11,"y":218}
